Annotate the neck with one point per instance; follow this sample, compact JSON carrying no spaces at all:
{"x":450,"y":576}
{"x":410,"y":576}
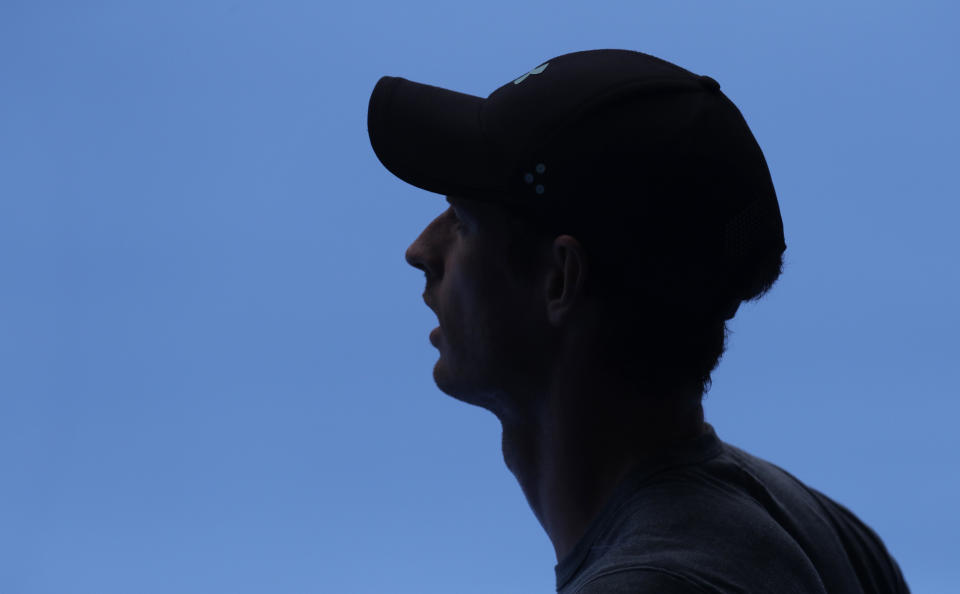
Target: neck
{"x":570,"y":456}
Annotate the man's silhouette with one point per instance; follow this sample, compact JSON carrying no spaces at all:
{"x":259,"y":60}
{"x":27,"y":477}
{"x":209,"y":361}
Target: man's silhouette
{"x":609,"y":211}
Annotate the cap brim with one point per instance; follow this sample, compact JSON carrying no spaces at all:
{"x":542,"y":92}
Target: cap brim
{"x":431,"y":137}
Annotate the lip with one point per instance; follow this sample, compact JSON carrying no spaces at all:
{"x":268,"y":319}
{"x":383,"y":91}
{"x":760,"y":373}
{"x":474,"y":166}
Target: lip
{"x":434,"y":335}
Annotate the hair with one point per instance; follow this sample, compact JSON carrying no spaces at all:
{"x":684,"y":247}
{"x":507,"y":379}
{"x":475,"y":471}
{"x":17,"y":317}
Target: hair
{"x":662,"y":351}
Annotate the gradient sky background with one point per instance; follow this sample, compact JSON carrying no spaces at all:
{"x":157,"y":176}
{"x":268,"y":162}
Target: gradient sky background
{"x":215,"y":375}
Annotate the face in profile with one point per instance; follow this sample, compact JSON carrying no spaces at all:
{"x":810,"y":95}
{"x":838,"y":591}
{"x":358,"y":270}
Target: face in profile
{"x":488,"y":320}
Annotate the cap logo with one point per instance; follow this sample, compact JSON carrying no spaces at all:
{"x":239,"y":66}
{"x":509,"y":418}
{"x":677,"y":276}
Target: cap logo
{"x":536,"y":70}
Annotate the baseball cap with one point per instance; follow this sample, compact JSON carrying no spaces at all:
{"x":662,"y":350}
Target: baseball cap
{"x":615,"y":145}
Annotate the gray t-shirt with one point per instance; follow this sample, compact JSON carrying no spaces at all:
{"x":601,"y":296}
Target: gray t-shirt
{"x":709,"y":517}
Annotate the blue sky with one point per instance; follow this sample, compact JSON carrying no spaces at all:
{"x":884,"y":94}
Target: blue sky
{"x":214,"y":367}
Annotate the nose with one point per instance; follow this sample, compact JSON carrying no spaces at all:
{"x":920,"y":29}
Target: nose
{"x":413,"y":256}
{"x":424,"y":252}
{"x":416,"y":257}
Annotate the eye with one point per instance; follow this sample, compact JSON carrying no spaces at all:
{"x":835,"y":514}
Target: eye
{"x":457,"y":223}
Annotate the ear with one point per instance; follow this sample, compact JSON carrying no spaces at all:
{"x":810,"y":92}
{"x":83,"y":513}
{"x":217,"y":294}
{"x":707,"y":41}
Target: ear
{"x":565,"y":279}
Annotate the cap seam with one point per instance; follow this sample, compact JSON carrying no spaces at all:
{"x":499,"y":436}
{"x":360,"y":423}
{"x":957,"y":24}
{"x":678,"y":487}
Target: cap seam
{"x":610,"y":94}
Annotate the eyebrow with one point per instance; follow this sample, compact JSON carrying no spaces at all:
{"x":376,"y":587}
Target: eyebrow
{"x":461,"y":204}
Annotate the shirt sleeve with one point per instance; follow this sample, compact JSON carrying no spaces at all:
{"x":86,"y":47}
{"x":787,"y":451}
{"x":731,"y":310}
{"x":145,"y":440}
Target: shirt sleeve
{"x":639,"y":581}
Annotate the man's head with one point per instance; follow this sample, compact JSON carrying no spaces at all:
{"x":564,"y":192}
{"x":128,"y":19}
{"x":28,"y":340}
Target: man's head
{"x":621,"y":211}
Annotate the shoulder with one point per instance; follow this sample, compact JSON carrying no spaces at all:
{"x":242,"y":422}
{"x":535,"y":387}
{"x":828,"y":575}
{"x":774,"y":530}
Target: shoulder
{"x":639,"y":581}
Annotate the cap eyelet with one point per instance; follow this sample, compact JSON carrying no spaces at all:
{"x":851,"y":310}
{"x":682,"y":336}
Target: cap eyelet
{"x":528,"y":178}
{"x":541,"y":167}
{"x":539,"y":188}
